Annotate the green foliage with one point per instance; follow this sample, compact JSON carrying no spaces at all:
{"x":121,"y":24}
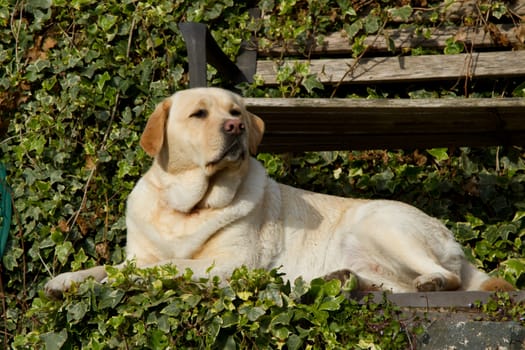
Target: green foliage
{"x":501,"y":307}
{"x":453,"y":47}
{"x":256,"y":309}
{"x":78,"y":80}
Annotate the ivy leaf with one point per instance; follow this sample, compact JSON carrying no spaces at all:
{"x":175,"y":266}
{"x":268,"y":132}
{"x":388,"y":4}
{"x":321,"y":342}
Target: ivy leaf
{"x":353,"y":28}
{"x":54,"y":340}
{"x":230,"y":343}
{"x":107,"y":21}
{"x":266,"y":5}
{"x":63,"y":251}
{"x":516,"y":266}
{"x":346,"y":8}
{"x":332,"y":287}
{"x":401,"y":13}
{"x":519,"y":215}
{"x":80,"y":258}
{"x":300,"y":288}
{"x":229,"y":319}
{"x":158,"y":339}
{"x":440,"y":154}
{"x":310,"y":82}
{"x":173,"y":309}
{"x":110,"y":298}
{"x":10,"y":258}
{"x":214,"y":327}
{"x":116,"y":321}
{"x":464,"y":232}
{"x":500,"y":232}
{"x":281,"y":332}
{"x":191,"y":299}
{"x":42,"y":4}
{"x":453,"y":47}
{"x":244,"y":295}
{"x":271,"y":296}
{"x":372,"y":24}
{"x":77,"y":311}
{"x":330,"y":304}
{"x":101,"y":80}
{"x":294,"y":342}
{"x":519,"y":91}
{"x":474,"y":221}
{"x":252,"y":312}
{"x":499,"y":9}
{"x":384,"y":181}
{"x":282,"y":318}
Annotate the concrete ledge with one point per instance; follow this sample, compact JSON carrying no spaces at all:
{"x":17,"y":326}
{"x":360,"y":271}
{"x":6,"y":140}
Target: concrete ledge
{"x":447,"y":334}
{"x":438,"y":299}
{"x":453,"y":323}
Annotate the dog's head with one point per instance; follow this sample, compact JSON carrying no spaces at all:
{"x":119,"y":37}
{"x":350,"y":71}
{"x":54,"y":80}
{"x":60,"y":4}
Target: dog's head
{"x":208,"y":128}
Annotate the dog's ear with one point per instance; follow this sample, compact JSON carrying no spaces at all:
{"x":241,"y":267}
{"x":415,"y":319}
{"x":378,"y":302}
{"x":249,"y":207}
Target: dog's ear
{"x":255,"y":132}
{"x":153,"y":136}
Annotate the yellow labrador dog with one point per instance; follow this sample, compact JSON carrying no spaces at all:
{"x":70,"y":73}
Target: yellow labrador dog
{"x":206,"y":202}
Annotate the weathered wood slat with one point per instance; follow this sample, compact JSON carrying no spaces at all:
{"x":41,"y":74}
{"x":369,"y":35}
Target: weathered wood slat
{"x":408,"y":38}
{"x":335,"y":124}
{"x":407,"y":68}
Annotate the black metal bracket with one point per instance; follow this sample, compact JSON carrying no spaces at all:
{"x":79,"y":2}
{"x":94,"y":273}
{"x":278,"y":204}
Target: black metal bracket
{"x":203,"y":49}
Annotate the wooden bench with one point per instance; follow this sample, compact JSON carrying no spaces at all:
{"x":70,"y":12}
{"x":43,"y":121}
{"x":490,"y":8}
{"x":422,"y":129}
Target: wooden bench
{"x":321,"y":124}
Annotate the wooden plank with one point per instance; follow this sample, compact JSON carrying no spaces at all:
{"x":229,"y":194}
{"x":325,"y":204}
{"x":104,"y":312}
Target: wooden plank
{"x":408,"y":38}
{"x":338,"y":124}
{"x":406,"y":68}
{"x":410,"y":111}
{"x":282,"y":143}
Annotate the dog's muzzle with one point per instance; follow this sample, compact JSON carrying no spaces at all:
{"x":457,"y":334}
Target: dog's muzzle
{"x":234,"y":149}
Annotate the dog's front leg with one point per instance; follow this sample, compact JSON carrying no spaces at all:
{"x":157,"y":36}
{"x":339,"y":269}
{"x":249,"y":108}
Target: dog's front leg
{"x":201,"y":268}
{"x":63,"y":282}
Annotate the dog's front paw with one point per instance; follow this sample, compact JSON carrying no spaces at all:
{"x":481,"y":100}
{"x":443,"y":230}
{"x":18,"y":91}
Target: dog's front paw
{"x":431,"y":282}
{"x":64,"y":281}
{"x":61,"y":283}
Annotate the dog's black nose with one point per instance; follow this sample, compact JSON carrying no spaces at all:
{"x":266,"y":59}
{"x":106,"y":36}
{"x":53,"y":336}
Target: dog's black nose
{"x":233,"y":126}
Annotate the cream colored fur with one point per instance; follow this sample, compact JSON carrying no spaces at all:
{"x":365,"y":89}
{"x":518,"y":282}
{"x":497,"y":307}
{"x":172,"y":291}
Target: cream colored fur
{"x":205,"y":202}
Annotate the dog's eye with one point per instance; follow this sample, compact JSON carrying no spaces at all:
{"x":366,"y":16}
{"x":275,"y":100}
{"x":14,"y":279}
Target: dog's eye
{"x":201,"y":113}
{"x":235,"y":112}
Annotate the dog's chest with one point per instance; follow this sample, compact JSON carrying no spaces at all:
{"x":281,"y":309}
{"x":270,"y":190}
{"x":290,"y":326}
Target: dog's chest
{"x":157,"y":232}
{"x":171,"y":225}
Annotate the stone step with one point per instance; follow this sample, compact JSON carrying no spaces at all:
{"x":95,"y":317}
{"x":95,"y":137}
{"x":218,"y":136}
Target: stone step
{"x":451,"y":320}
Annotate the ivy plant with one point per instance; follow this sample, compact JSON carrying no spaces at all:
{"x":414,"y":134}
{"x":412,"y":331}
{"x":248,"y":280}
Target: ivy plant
{"x":256,"y":309}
